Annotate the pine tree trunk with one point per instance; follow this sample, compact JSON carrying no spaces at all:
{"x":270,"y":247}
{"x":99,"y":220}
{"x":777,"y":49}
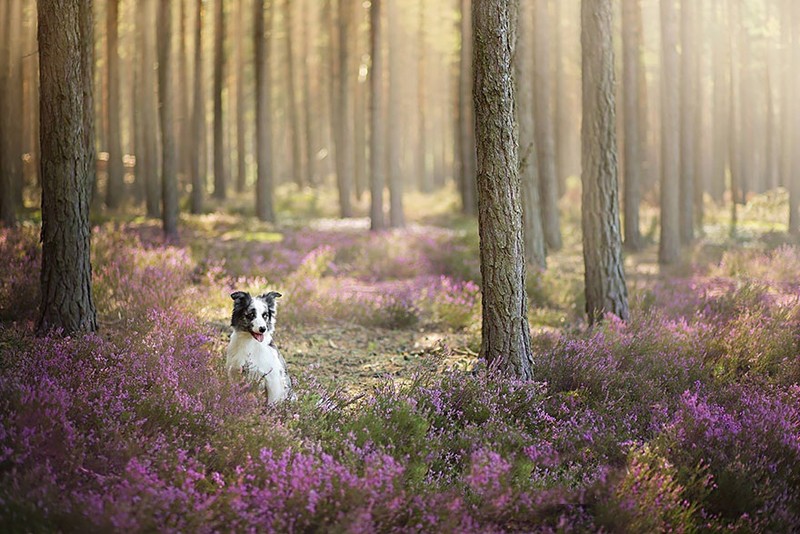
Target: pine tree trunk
{"x":377,"y":160}
{"x":721,"y":119}
{"x":423,"y":177}
{"x":604,"y":274}
{"x":670,"y":239}
{"x":688,"y":112}
{"x":396,"y":214}
{"x":169,"y":160}
{"x":220,"y":176}
{"x":344,"y":143}
{"x":197,"y":170}
{"x":264,"y":186}
{"x":15,"y":117}
{"x":65,"y":28}
{"x":150,"y":116}
{"x":295,"y":132}
{"x":506,"y":343}
{"x":115,"y":191}
{"x":632,"y":64}
{"x":533,"y":232}
{"x":545,"y":135}
{"x":466,"y":130}
{"x":793,"y":180}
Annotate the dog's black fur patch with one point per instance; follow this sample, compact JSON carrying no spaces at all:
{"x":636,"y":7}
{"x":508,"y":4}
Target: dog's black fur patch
{"x":242,"y":303}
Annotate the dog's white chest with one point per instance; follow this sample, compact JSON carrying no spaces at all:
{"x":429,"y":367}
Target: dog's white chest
{"x":260,"y":362}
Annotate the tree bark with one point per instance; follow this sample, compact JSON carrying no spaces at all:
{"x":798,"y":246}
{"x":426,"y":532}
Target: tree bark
{"x":295,"y":132}
{"x":169,"y":161}
{"x":344,"y":144}
{"x":150,"y":117}
{"x":506,"y":344}
{"x":197,"y":170}
{"x":396,"y":214}
{"x":632,"y":65}
{"x":377,"y":150}
{"x":65,"y":28}
{"x":688,"y":112}
{"x":466,"y":121}
{"x":545,"y":134}
{"x":115,"y":191}
{"x":604,"y":274}
{"x":220,"y":176}
{"x":529,"y":173}
{"x":8,"y":211}
{"x":793,"y":180}
{"x":264,"y":186}
{"x":670,"y":239}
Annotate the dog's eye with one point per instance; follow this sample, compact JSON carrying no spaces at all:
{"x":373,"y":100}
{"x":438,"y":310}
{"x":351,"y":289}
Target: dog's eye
{"x":264,"y":315}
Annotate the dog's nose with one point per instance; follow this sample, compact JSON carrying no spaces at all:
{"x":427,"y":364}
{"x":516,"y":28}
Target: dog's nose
{"x":262,"y":329}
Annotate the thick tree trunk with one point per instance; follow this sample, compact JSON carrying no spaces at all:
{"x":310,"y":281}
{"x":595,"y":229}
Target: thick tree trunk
{"x":670,"y":239}
{"x":688,"y":112}
{"x":466,"y":121}
{"x":220,"y":176}
{"x":169,"y":160}
{"x":377,"y":160}
{"x":115,"y":186}
{"x":545,"y":131}
{"x":197,"y":170}
{"x":263,"y":25}
{"x":604,"y":274}
{"x":506,"y":343}
{"x":632,"y":65}
{"x":344,"y":143}
{"x":528,"y":169}
{"x":396,"y":215}
{"x":65,"y":28}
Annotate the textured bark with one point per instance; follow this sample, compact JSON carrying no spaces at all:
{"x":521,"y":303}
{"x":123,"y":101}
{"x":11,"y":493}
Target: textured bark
{"x":528,"y":169}
{"x":295,"y":132}
{"x":65,"y":26}
{"x":632,"y":65}
{"x":150,"y":117}
{"x":169,"y":157}
{"x":396,"y":215}
{"x":545,"y":131}
{"x":377,"y":161}
{"x":344,"y":137}
{"x":688,"y":112}
{"x":466,"y":120}
{"x":220,"y":176}
{"x":115,"y":187}
{"x":604,"y":275}
{"x":506,"y":343}
{"x":670,"y":242}
{"x":196,"y":169}
{"x":263,"y":25}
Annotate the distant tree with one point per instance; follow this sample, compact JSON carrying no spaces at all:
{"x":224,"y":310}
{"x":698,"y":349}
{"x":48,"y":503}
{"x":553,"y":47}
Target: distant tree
{"x":604,"y":274}
{"x":721,"y":121}
{"x":396,"y":213}
{"x":197,"y":170}
{"x":8,"y":214}
{"x":377,"y":139}
{"x":528,"y":169}
{"x":424,"y":181}
{"x":688,"y":113}
{"x":295,"y":133}
{"x":241,"y":105}
{"x":149,"y":111}
{"x":309,"y":119}
{"x":220,"y":176}
{"x":506,"y":343}
{"x":545,"y":129}
{"x":169,"y":159}
{"x":632,"y":65}
{"x":344,"y":135}
{"x":115,"y":187}
{"x":465,"y":158}
{"x":67,"y":160}
{"x":263,"y":26}
{"x":793,"y":133}
{"x":670,"y":239}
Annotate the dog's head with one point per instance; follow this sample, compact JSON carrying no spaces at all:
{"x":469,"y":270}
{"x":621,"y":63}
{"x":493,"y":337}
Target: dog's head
{"x":255,"y":316}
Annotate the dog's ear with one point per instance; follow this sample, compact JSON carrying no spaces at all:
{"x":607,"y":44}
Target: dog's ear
{"x":240,"y":296}
{"x":272,"y":295}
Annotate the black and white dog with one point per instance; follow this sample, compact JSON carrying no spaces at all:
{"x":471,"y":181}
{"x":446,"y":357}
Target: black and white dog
{"x":251,"y":351}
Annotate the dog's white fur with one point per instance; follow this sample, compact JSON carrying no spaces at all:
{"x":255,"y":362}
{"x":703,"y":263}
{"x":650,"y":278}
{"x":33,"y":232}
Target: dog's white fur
{"x":259,"y":361}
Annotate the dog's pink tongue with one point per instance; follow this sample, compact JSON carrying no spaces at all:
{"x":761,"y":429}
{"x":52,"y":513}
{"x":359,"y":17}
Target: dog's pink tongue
{"x":259,"y":337}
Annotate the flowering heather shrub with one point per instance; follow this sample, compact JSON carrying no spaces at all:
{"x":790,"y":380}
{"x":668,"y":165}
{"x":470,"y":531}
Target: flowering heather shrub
{"x":453,"y":304}
{"x":19,"y":273}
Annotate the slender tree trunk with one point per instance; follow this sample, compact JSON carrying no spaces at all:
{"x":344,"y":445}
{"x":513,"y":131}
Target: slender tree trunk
{"x":669,"y":245}
{"x":115,"y":186}
{"x":169,"y":160}
{"x":295,"y":132}
{"x":792,"y":112}
{"x":241,"y":128}
{"x":533,"y":232}
{"x":344,"y":144}
{"x":310,"y":134}
{"x":700,"y":134}
{"x":359,"y":114}
{"x":8,"y":213}
{"x":721,"y":119}
{"x":604,"y":275}
{"x":632,"y":64}
{"x":424,"y":178}
{"x":220,"y":176}
{"x":184,"y":142}
{"x":396,"y":215}
{"x":264,"y":186}
{"x":734,"y":146}
{"x":466,"y":130}
{"x":32,"y":97}
{"x":65,"y":28}
{"x":506,"y":343}
{"x":150,"y":117}
{"x":197,"y":170}
{"x":377,"y":150}
{"x":15,"y":117}
{"x":545,"y":134}
{"x":562,"y":121}
{"x":688,"y":111}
